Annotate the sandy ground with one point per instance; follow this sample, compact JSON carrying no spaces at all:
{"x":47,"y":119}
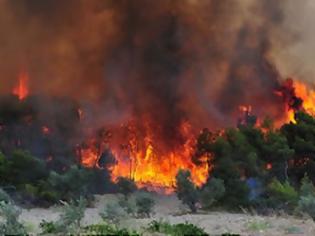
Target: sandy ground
{"x":170,"y":209}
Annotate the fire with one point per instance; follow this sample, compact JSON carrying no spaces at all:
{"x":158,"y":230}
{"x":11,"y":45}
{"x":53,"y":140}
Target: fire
{"x":21,"y":89}
{"x":45,"y":130}
{"x":307,"y":95}
{"x":142,"y":161}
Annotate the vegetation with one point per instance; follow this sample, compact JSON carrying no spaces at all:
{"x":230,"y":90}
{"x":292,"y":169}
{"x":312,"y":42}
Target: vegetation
{"x":186,"y":190}
{"x":69,"y":220}
{"x":144,"y":204}
{"x":176,"y":229}
{"x":113,"y":213}
{"x":10,"y":224}
{"x":126,"y":186}
{"x":212,"y":192}
{"x":106,"y":229}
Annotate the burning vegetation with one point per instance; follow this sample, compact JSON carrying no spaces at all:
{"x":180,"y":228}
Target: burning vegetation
{"x":142,"y":89}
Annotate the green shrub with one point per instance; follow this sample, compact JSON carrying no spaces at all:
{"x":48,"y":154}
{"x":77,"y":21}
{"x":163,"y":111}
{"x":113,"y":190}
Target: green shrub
{"x":106,"y":229}
{"x":4,"y":197}
{"x":186,"y":190}
{"x":282,"y":195}
{"x":48,"y":227}
{"x":24,"y":168}
{"x":145,"y":204}
{"x":113,"y":213}
{"x":69,"y":220}
{"x":213,"y":191}
{"x":176,"y":229}
{"x":126,"y":186}
{"x":10,"y":224}
{"x":128,"y":205}
{"x":306,"y":204}
{"x":307,"y":187}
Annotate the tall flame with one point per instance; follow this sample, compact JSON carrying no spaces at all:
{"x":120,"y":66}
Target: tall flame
{"x":141,"y":161}
{"x":21,"y":89}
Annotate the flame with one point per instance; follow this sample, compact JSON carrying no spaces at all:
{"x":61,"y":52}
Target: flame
{"x":21,"y":89}
{"x":45,"y":130}
{"x":307,"y":94}
{"x":148,"y":166}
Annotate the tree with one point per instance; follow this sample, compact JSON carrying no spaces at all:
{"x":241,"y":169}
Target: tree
{"x":186,"y":190}
{"x":213,"y":191}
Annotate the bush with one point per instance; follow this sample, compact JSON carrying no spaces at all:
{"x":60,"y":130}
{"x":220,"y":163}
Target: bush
{"x":281,"y":195}
{"x":4,"y":197}
{"x":186,"y":190}
{"x":113,"y":213}
{"x":11,"y":224}
{"x":69,"y":220}
{"x":126,"y":186}
{"x":213,"y":191}
{"x":145,"y":204}
{"x":307,"y":187}
{"x":128,"y":205}
{"x":176,"y":229}
{"x":24,"y":168}
{"x":48,"y":227}
{"x":105,"y":229}
{"x":306,"y":204}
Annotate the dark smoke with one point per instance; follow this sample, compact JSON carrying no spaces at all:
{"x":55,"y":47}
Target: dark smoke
{"x":158,"y":62}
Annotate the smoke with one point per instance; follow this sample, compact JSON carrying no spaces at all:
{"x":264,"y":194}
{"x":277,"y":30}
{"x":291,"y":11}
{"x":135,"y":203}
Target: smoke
{"x":159,"y":62}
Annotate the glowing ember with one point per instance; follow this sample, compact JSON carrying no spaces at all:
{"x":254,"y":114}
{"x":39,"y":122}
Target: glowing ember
{"x":21,"y":89}
{"x":45,"y":130}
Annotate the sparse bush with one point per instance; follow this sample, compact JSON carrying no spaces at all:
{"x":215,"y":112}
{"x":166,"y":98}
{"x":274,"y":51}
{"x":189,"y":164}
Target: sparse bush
{"x":307,"y":187}
{"x":176,"y":229}
{"x":282,"y":195}
{"x":10,"y":224}
{"x":48,"y":227}
{"x":186,"y":190}
{"x":126,"y":186}
{"x":306,"y":204}
{"x":106,"y":229}
{"x":69,"y":220}
{"x":4,"y":197}
{"x":128,"y":205}
{"x":213,"y":191}
{"x":145,"y":204}
{"x":113,"y":213}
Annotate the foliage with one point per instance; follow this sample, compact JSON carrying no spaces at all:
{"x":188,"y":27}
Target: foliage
{"x":176,"y":229}
{"x":69,"y":220}
{"x":11,"y":224}
{"x":186,"y":190}
{"x":213,"y":191}
{"x":306,"y":204}
{"x":113,"y":213}
{"x":145,"y":204}
{"x":106,"y":229}
{"x":281,"y":195}
{"x":128,"y":205}
{"x":48,"y":227}
{"x":258,"y":225}
{"x":307,"y":188}
{"x":4,"y":196}
{"x":126,"y":186}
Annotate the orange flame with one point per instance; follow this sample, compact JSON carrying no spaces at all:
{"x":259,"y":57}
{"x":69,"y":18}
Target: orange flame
{"x":21,"y":89}
{"x":147,"y":166}
{"x":307,"y":94}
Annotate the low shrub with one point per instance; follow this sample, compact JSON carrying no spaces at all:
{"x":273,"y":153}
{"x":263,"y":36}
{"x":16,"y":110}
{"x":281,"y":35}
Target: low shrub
{"x":145,"y":204}
{"x":213,"y":191}
{"x":281,"y":195}
{"x":113,"y":213}
{"x":106,"y":229}
{"x":126,"y":186}
{"x":10,"y":224}
{"x":128,"y":205}
{"x":176,"y":229}
{"x":306,"y":204}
